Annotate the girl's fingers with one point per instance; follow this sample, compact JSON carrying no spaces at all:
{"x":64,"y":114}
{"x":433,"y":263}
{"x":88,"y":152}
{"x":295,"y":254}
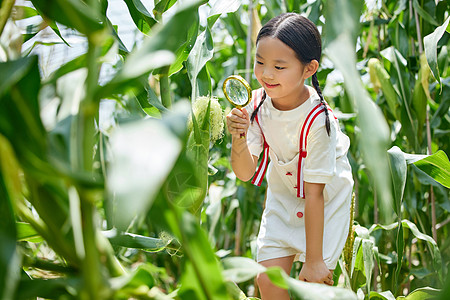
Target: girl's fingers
{"x":245,"y":113}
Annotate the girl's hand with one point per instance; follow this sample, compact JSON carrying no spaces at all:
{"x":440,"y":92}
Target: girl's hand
{"x":316,"y":272}
{"x":238,"y":122}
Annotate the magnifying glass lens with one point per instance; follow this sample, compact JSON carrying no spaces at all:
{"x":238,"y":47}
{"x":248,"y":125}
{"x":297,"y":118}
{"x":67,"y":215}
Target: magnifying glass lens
{"x":237,"y":92}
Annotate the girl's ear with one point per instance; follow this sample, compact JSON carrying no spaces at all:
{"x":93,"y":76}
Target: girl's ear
{"x":310,"y":69}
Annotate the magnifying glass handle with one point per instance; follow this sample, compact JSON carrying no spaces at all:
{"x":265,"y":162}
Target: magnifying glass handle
{"x":242,"y":135}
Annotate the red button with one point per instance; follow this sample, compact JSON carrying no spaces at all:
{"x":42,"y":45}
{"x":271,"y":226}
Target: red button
{"x":289,"y":173}
{"x":300,"y":214}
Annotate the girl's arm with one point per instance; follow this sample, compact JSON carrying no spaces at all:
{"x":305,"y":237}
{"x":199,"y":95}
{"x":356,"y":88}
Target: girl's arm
{"x":242,"y":161}
{"x":314,"y":268}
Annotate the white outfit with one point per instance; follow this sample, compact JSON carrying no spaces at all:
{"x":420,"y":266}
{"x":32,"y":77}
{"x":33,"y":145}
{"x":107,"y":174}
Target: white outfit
{"x":282,"y":231}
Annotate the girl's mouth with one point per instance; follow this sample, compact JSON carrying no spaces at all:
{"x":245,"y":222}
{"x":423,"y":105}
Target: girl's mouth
{"x":270,"y":86}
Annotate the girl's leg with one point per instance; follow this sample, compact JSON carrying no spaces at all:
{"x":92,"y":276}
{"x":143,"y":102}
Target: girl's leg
{"x":267,"y":289}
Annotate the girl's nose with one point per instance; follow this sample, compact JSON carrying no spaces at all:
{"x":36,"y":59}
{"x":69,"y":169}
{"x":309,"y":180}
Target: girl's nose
{"x":267,"y":73}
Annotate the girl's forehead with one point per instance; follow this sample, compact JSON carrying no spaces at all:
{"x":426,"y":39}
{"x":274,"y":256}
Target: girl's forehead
{"x":274,"y":49}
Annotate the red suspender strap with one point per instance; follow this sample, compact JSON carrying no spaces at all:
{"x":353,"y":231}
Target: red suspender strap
{"x":261,"y":172}
{"x":302,"y":147}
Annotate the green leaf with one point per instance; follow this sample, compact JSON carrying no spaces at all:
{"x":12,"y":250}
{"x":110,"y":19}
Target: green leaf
{"x":421,"y":94}
{"x":109,"y":46}
{"x":358,"y":273}
{"x":387,"y":295}
{"x":374,"y":135}
{"x":48,"y":288}
{"x":139,"y":282}
{"x":162,"y":6}
{"x":72,"y":13}
{"x":430,"y":43}
{"x":347,"y":21}
{"x":204,"y":267}
{"x":368,"y":256}
{"x":141,"y":17}
{"x":424,"y":14}
{"x":26,"y":232}
{"x":202,"y":51}
{"x":399,"y":63}
{"x":222,"y":7}
{"x":155,"y":52}
{"x":400,"y":247}
{"x":9,"y":190}
{"x":386,"y":86}
{"x":437,"y":261}
{"x":183,"y":51}
{"x":149,"y":102}
{"x":421,"y":294}
{"x":152,"y":157}
{"x":20,"y":120}
{"x":240,"y":269}
{"x":437,"y":166}
{"x":24,"y":12}
{"x":13,"y":71}
{"x":397,"y":164}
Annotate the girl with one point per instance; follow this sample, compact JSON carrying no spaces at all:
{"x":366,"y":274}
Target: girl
{"x":309,"y":178}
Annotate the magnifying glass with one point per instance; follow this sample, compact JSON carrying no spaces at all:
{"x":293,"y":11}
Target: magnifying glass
{"x":237,"y":91}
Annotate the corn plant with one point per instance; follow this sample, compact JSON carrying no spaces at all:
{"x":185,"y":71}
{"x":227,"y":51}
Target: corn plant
{"x":149,"y":208}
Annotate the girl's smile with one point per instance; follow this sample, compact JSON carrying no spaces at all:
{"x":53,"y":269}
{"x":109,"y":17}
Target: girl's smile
{"x":270,"y":86}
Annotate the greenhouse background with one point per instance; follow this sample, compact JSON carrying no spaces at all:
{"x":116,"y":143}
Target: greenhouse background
{"x":115,"y":179}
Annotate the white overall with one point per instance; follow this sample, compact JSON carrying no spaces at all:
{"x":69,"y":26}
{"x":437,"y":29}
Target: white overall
{"x":300,"y":150}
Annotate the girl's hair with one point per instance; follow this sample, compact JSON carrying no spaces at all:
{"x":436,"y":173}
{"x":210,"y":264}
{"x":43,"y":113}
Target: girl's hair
{"x":302,"y":36}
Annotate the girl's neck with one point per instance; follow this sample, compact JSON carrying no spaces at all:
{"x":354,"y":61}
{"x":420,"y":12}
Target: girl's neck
{"x":292,"y":101}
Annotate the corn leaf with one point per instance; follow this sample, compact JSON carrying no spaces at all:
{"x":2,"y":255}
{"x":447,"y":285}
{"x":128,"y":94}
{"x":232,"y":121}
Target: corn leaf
{"x":26,"y":232}
{"x":9,"y":190}
{"x":239,"y":269}
{"x":374,"y":130}
{"x":201,"y":52}
{"x":421,"y":294}
{"x":430,"y":43}
{"x":141,"y":17}
{"x":147,"y":162}
{"x":398,"y":169}
{"x":155,"y":52}
{"x":74,"y":14}
{"x":437,"y":166}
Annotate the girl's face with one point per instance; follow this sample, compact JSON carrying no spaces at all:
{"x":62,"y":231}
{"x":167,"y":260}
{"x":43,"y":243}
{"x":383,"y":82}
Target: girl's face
{"x":280,"y":73}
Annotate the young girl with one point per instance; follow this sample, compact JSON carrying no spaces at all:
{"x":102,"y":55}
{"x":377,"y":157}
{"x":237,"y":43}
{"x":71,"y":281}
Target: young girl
{"x":309,"y":178}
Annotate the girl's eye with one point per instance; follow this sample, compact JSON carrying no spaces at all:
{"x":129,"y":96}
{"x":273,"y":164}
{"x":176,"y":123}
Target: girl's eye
{"x":259,"y":63}
{"x":279,"y":68}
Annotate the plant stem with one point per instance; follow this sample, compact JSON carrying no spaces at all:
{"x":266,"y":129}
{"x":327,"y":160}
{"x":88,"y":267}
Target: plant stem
{"x":34,"y":262}
{"x":92,"y":275}
{"x":432,"y":198}
{"x":237,"y":242}
{"x":88,"y":113}
{"x":5,"y":12}
{"x":164,"y":84}
{"x":419,"y":35}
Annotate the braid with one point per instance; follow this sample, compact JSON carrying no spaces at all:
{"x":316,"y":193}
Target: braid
{"x":259,"y":105}
{"x":315,"y":83}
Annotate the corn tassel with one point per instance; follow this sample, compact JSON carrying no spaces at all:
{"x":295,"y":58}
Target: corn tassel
{"x":348,"y":248}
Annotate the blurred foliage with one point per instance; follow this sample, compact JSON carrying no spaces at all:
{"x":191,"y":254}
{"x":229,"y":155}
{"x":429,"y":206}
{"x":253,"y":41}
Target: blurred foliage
{"x":144,"y":208}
